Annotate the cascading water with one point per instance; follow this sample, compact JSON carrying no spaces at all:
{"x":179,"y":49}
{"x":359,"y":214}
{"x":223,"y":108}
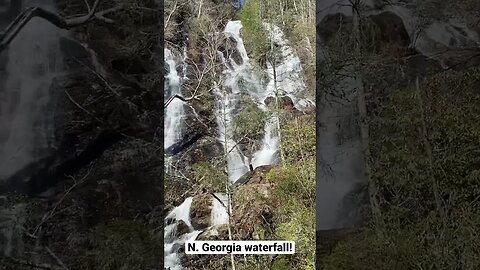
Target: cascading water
{"x":228,"y":96}
{"x":285,"y":79}
{"x":288,"y":77}
{"x":236,"y":76}
{"x":236,"y":161}
{"x":219,"y":210}
{"x":270,"y":145}
{"x":181,"y":214}
{"x":174,"y":113}
{"x":26,"y":118}
{"x":243,"y":72}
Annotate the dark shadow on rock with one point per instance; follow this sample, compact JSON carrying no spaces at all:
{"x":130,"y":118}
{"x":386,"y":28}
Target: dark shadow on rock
{"x":39,"y":176}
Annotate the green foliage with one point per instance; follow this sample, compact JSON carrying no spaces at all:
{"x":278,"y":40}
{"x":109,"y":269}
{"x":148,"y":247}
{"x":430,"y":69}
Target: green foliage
{"x":281,"y":264}
{"x":401,"y":164}
{"x":254,"y":34}
{"x":210,"y":176}
{"x":295,"y":186}
{"x":300,"y":227}
{"x":299,"y":138}
{"x":422,"y":245}
{"x":126,"y":245}
{"x":296,"y":179}
{"x":250,"y":121}
{"x":416,"y":236}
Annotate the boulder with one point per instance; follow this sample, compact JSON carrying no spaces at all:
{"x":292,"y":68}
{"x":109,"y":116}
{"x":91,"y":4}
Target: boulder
{"x":182,"y":228}
{"x":214,"y":233}
{"x":257,"y":176}
{"x":200,"y":211}
{"x":252,"y":211}
{"x":285,"y":103}
{"x":205,"y":149}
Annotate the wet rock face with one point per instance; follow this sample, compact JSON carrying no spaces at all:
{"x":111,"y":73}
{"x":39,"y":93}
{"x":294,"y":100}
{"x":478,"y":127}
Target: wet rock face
{"x":230,"y":51}
{"x":205,"y":149}
{"x":286,"y":105}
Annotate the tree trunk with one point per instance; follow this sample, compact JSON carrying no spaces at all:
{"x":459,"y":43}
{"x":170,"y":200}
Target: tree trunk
{"x":363,"y":123}
{"x":428,"y":150}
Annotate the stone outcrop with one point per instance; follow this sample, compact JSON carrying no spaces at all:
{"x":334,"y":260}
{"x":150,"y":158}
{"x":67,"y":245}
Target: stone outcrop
{"x":200,"y":211}
{"x":252,"y":211}
{"x":257,"y":176}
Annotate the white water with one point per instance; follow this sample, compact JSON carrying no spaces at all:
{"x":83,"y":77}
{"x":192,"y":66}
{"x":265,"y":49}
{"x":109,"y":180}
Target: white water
{"x":174,"y":113}
{"x":174,"y":117}
{"x":228,"y":93}
{"x":270,"y":145}
{"x":172,"y":259}
{"x":181,"y":212}
{"x":219,"y":216}
{"x":289,"y":77}
{"x":286,"y":79}
{"x":26,"y":118}
{"x":219,"y":210}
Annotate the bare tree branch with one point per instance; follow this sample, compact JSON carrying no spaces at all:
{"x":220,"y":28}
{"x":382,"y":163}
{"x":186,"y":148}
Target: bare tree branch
{"x":179,"y":97}
{"x":21,"y":20}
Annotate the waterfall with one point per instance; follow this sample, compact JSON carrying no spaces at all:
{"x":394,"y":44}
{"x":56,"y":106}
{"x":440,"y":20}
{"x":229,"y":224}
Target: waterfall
{"x":341,"y":165}
{"x":174,"y":113}
{"x":228,"y":96}
{"x":239,"y":79}
{"x":285,"y":79}
{"x":219,"y":210}
{"x":288,"y":81}
{"x":270,"y":145}
{"x":26,"y":118}
{"x":174,"y":242}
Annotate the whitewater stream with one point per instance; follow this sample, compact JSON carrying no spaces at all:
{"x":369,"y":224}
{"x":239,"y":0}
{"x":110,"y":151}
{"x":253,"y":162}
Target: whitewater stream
{"x":239,"y":78}
{"x":175,"y":112}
